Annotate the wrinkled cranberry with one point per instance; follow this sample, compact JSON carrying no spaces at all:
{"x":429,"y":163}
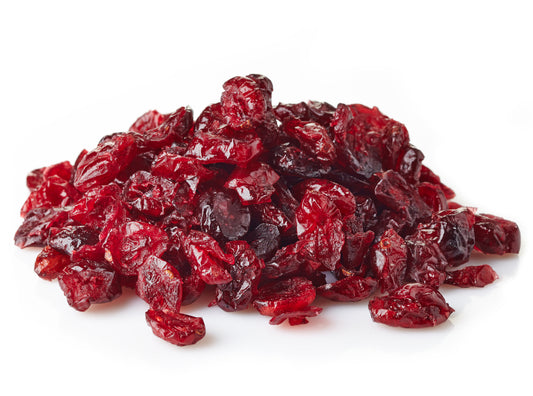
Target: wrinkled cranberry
{"x":339,"y":195}
{"x":174,"y":128}
{"x":351,"y":288}
{"x":209,"y":148}
{"x":160,"y":285}
{"x":87,"y":282}
{"x":129,"y":245}
{"x":264,"y":240}
{"x":296,"y":317}
{"x":313,"y":138}
{"x":413,"y":305}
{"x":101,"y":165}
{"x":427,"y":175}
{"x":426,"y":263}
{"x":433,"y":196}
{"x":50,"y":263}
{"x":472,"y":276}
{"x":178,"y":329}
{"x":35,"y":229}
{"x":389,"y":260}
{"x":37,"y":177}
{"x":254,"y":184}
{"x":53,"y":192}
{"x":150,"y":195}
{"x":293,"y":294}
{"x":245,"y":272}
{"x":149,"y":120}
{"x":289,"y":160}
{"x":222,"y":215}
{"x":495,"y":235}
{"x":72,"y":238}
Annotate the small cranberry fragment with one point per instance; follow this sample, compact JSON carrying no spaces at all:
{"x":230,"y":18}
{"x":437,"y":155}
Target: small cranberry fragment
{"x":389,"y":260}
{"x":88,"y":282}
{"x":178,"y":329}
{"x":35,"y":229}
{"x":254,"y":184}
{"x":495,"y":235}
{"x":72,"y":238}
{"x":293,"y":294}
{"x":351,"y":288}
{"x":413,"y":305}
{"x":313,"y":138}
{"x":472,"y":276}
{"x":160,"y":285}
{"x":50,"y":263}
{"x":296,"y":317}
{"x":53,"y":192}
{"x":149,"y":120}
{"x":37,"y":177}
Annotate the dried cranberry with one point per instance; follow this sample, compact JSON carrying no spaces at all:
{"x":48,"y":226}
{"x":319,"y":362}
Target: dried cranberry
{"x":313,"y":138}
{"x":53,"y":192}
{"x":37,"y":177}
{"x":160,"y":285}
{"x":413,"y":305}
{"x":240,"y":292}
{"x":87,"y":282}
{"x":472,"y":276}
{"x":264,"y":240}
{"x":293,"y":294}
{"x":150,"y":195}
{"x":296,"y":317}
{"x":174,"y":128}
{"x":495,"y":235}
{"x":72,"y":238}
{"x":178,"y":329}
{"x":209,"y":148}
{"x":50,"y":263}
{"x":254,"y":184}
{"x":351,"y":288}
{"x":426,"y":263}
{"x":35,"y":229}
{"x":149,"y":120}
{"x":389,"y":260}
{"x":129,"y":245}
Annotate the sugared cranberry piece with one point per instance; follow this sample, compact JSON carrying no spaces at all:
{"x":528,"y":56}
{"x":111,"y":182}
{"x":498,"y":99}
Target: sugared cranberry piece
{"x":495,"y":235}
{"x":413,"y":305}
{"x":472,"y":276}
{"x":87,"y":282}
{"x":178,"y":329}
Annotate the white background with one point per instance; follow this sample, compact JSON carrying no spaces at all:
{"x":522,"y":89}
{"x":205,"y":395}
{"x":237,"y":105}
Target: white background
{"x":458,"y":74}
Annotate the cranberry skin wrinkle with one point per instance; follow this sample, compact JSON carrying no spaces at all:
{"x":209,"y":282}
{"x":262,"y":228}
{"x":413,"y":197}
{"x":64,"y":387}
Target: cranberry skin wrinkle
{"x":496,"y":235}
{"x":179,"y":329}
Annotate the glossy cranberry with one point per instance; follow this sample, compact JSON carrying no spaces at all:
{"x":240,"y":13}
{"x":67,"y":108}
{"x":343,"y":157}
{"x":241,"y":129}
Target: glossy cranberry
{"x":265,"y":240}
{"x":71,"y":238}
{"x":129,"y":245}
{"x":343,"y":199}
{"x":245,"y":274}
{"x":313,"y":138}
{"x":52,"y":193}
{"x":472,"y":276}
{"x":37,"y":177}
{"x":175,"y":127}
{"x":160,"y":285}
{"x":427,"y":175}
{"x":351,"y":288}
{"x":290,"y":160}
{"x":35,"y":229}
{"x":149,"y":120}
{"x":433,"y":196}
{"x":50,"y":263}
{"x":495,"y":235}
{"x":150,"y":195}
{"x":254,"y":184}
{"x":178,"y":329}
{"x":389,"y":261}
{"x":209,"y":148}
{"x":101,"y":165}
{"x":296,"y":317}
{"x":88,"y":282}
{"x":426,"y":263}
{"x":293,"y":294}
{"x":413,"y":305}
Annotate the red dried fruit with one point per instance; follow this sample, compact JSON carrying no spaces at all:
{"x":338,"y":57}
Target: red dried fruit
{"x":50,"y":263}
{"x":389,"y":260}
{"x":495,"y":235}
{"x":254,"y":184}
{"x":160,"y":285}
{"x":290,"y":295}
{"x":319,"y":224}
{"x":296,"y":317}
{"x":101,"y":165}
{"x":351,"y":288}
{"x":129,"y":245}
{"x":245,"y":273}
{"x":413,"y":305}
{"x":473,"y":276}
{"x":305,"y":198}
{"x":178,"y":329}
{"x":206,"y":257}
{"x":88,"y":282}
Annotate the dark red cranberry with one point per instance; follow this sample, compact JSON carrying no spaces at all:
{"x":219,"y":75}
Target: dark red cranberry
{"x":389,"y":261}
{"x":37,"y":224}
{"x":150,"y":195}
{"x":472,"y":276}
{"x":178,"y":329}
{"x":50,"y":263}
{"x":149,"y":120}
{"x":351,"y":288}
{"x":88,"y":282}
{"x":290,"y":295}
{"x":52,"y":193}
{"x":254,"y":184}
{"x":264,"y":240}
{"x":495,"y":235}
{"x":37,"y":177}
{"x":296,"y":317}
{"x":413,"y":305}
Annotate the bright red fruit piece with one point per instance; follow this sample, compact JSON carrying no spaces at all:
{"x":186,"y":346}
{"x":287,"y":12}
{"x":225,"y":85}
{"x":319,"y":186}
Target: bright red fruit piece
{"x":178,"y":329}
{"x":160,"y":285}
{"x":351,"y":288}
{"x":296,"y":317}
{"x":50,"y":263}
{"x":413,"y":305}
{"x":289,"y":295}
{"x":389,"y":260}
{"x":254,"y":184}
{"x":495,"y":235}
{"x":472,"y":276}
{"x":88,"y":282}
{"x":52,"y":193}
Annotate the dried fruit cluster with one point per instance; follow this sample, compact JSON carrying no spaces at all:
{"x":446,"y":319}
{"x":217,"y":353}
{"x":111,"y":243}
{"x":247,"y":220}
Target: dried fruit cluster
{"x":270,"y":205}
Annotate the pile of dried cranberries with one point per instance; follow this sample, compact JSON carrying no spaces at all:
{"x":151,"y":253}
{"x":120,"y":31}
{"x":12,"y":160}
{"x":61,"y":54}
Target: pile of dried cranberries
{"x":269,"y":205}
